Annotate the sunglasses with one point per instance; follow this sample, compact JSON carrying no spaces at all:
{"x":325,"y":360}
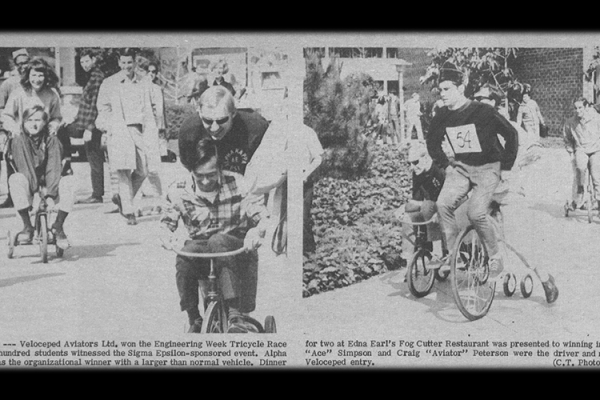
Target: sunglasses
{"x":416,"y":162}
{"x":482,"y":98}
{"x":218,"y":121}
{"x":151,"y":71}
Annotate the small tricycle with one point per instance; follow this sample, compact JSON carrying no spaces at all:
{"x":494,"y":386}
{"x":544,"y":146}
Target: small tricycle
{"x":215,"y":318}
{"x":43,"y":235}
{"x":589,"y":200}
{"x":469,"y":273}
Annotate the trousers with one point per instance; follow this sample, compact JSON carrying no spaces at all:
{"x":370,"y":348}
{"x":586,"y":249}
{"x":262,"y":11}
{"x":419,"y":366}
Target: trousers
{"x":237,"y":276}
{"x":481,"y":181}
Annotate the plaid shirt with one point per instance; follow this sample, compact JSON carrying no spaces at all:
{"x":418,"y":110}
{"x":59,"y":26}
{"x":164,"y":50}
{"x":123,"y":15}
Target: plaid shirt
{"x":88,"y":112}
{"x":233,"y":209}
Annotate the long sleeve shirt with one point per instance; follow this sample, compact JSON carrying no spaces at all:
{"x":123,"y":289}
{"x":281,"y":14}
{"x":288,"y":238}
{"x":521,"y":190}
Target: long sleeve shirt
{"x":231,"y":211}
{"x":88,"y":111}
{"x":582,"y":134}
{"x":21,"y":99}
{"x":472,"y":132}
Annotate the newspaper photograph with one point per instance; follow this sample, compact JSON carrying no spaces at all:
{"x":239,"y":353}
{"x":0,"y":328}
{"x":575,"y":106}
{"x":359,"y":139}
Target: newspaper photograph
{"x":296,"y":200}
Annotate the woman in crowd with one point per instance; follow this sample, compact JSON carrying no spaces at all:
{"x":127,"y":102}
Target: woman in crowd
{"x":220,"y":68}
{"x":41,"y":163}
{"x":38,"y":87}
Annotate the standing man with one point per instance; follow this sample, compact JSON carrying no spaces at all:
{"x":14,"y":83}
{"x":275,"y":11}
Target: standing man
{"x":86,"y":122}
{"x":20,"y":59}
{"x":413,"y":117}
{"x":125,"y":112}
{"x":581,"y":134}
{"x":472,"y":130}
{"x":393,"y":115}
{"x":237,"y":133}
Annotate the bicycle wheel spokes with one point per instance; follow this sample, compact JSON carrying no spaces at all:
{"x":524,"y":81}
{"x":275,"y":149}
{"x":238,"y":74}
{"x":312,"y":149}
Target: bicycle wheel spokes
{"x":420,"y":278}
{"x":472,"y":291}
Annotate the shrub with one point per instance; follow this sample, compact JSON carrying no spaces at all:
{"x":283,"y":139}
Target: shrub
{"x":338,"y":110}
{"x":356,"y":233}
{"x":175,"y":115}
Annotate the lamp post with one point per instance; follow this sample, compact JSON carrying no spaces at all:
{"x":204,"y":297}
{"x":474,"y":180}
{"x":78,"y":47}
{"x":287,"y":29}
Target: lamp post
{"x":400,"y":67}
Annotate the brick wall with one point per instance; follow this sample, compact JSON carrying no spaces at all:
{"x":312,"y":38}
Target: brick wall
{"x":556,"y":79}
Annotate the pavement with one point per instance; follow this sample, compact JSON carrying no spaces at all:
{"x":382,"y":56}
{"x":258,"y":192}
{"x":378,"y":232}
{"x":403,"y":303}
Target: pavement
{"x":382,"y":307}
{"x":115,"y":280}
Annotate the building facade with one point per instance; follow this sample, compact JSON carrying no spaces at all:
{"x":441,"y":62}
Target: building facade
{"x":556,"y":78}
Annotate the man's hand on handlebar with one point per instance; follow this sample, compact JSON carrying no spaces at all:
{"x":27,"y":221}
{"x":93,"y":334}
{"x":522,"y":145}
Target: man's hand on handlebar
{"x":400,"y":213}
{"x":167,"y":238}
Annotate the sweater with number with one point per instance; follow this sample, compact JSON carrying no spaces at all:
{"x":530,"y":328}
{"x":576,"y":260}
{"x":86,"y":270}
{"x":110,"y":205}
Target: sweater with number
{"x":475,"y":123}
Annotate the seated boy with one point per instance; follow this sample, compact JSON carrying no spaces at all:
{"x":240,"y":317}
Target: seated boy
{"x":220,"y":216}
{"x":427,"y":182}
{"x":40,"y":160}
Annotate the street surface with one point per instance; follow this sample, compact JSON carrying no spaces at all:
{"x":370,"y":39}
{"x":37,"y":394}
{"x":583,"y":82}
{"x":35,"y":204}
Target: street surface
{"x":115,"y":281}
{"x":568,"y":248}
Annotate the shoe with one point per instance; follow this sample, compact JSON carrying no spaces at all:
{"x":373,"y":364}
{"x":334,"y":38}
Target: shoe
{"x":550,"y":289}
{"x":7,"y":203}
{"x":438,"y":263}
{"x":496,"y":266}
{"x":25,"y":236}
{"x":90,"y":200}
{"x":238,"y":324}
{"x":117,"y":200}
{"x":196,"y":326}
{"x":131,"y":220}
{"x":60,"y":238}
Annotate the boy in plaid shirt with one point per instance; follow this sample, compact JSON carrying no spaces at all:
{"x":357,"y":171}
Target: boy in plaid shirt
{"x":220,"y":216}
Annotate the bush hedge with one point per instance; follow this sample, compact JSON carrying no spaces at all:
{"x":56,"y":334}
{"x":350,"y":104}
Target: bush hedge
{"x":175,"y":115}
{"x":338,"y":110}
{"x":357,"y":236}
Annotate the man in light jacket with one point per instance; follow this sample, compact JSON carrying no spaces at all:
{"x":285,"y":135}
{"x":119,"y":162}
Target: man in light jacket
{"x":125,"y":112}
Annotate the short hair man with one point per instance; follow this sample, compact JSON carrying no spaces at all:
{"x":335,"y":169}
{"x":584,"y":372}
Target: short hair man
{"x":581,"y":134}
{"x":393,"y":115}
{"x":220,"y":216}
{"x":125,"y":112}
{"x":472,"y":130}
{"x":427,"y":181}
{"x":412,"y":108}
{"x":86,"y":121}
{"x":21,"y":60}
{"x":237,"y":133}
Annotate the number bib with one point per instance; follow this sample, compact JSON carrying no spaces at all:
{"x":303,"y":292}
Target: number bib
{"x":464,"y":139}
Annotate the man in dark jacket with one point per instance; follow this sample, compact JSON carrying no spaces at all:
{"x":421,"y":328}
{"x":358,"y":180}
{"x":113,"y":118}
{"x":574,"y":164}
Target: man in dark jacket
{"x":86,"y":122}
{"x":237,"y":133}
{"x":471,"y":130}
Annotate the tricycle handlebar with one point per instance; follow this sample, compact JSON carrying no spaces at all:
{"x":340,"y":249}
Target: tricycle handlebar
{"x":210,"y":255}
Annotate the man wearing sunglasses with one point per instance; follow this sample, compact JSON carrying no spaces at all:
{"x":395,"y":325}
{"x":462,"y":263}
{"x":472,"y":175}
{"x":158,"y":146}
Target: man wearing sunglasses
{"x":237,"y":133}
{"x":427,"y":181}
{"x":20,"y":59}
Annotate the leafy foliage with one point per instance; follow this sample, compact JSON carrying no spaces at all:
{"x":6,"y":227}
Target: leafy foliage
{"x":356,"y":233}
{"x":481,"y":65}
{"x":338,"y":110}
{"x":175,"y":115}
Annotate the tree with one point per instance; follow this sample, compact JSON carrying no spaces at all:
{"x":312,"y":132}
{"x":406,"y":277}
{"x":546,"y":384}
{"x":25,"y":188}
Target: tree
{"x":338,"y":110}
{"x":482,"y":65}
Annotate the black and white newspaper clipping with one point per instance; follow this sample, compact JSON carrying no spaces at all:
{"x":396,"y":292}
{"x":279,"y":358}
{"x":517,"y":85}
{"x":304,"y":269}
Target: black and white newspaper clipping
{"x":299,"y":200}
